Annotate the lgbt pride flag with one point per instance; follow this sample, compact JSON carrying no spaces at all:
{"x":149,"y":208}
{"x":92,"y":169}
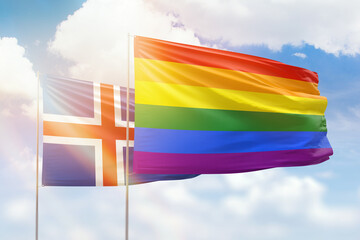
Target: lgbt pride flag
{"x":84,"y":135}
{"x":202,"y":110}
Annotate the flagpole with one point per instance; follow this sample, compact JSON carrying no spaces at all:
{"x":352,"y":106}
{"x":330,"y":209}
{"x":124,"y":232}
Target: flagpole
{"x":127,"y":146}
{"x":37,"y":162}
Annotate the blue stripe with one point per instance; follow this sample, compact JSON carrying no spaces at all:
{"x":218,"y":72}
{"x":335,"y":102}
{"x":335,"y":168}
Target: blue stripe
{"x":190,"y":141}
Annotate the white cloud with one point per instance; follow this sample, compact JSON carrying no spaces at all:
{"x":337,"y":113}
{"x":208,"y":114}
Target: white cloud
{"x":21,"y":165}
{"x":95,"y":37}
{"x":24,"y":161}
{"x":81,"y":233}
{"x":331,"y":25}
{"x":271,"y":202}
{"x":6,"y":112}
{"x":300,"y":55}
{"x":286,"y":195}
{"x":18,"y":210}
{"x":179,"y":194}
{"x":18,"y":81}
{"x":29,"y":109}
{"x":16,"y":75}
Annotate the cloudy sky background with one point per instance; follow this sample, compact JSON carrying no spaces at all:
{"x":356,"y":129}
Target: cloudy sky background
{"x":88,"y":40}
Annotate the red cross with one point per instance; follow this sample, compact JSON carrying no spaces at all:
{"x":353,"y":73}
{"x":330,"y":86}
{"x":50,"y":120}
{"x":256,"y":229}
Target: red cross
{"x":107,"y":132}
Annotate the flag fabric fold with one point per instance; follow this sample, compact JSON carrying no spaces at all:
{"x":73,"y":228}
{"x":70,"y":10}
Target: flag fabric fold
{"x":84,"y":135}
{"x":212,"y":111}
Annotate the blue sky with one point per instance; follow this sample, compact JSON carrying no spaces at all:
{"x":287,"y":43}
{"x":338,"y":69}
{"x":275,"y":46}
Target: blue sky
{"x":88,"y":42}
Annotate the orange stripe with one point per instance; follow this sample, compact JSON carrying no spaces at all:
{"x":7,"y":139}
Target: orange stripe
{"x":176,"y":52}
{"x":82,"y":130}
{"x":108,"y":141}
{"x":195,"y":75}
{"x":85,"y":131}
{"x":109,"y":162}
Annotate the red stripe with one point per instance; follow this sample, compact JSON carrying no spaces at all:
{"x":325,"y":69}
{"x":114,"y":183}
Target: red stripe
{"x":149,"y":48}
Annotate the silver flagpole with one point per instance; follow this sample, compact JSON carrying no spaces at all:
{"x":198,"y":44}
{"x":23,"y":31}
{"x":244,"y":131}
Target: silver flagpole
{"x":37,"y":163}
{"x":127,"y":146}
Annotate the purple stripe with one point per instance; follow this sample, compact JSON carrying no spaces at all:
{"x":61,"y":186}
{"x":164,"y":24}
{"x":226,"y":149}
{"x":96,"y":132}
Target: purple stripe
{"x":173,"y":163}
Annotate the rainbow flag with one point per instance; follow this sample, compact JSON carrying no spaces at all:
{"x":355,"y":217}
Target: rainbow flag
{"x":202,"y":110}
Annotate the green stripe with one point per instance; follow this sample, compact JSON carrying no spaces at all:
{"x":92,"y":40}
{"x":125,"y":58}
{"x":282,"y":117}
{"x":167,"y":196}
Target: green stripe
{"x":164,"y":117}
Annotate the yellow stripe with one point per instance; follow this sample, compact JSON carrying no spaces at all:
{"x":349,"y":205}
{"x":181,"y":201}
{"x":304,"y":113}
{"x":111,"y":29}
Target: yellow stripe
{"x":175,"y":95}
{"x":194,"y":75}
